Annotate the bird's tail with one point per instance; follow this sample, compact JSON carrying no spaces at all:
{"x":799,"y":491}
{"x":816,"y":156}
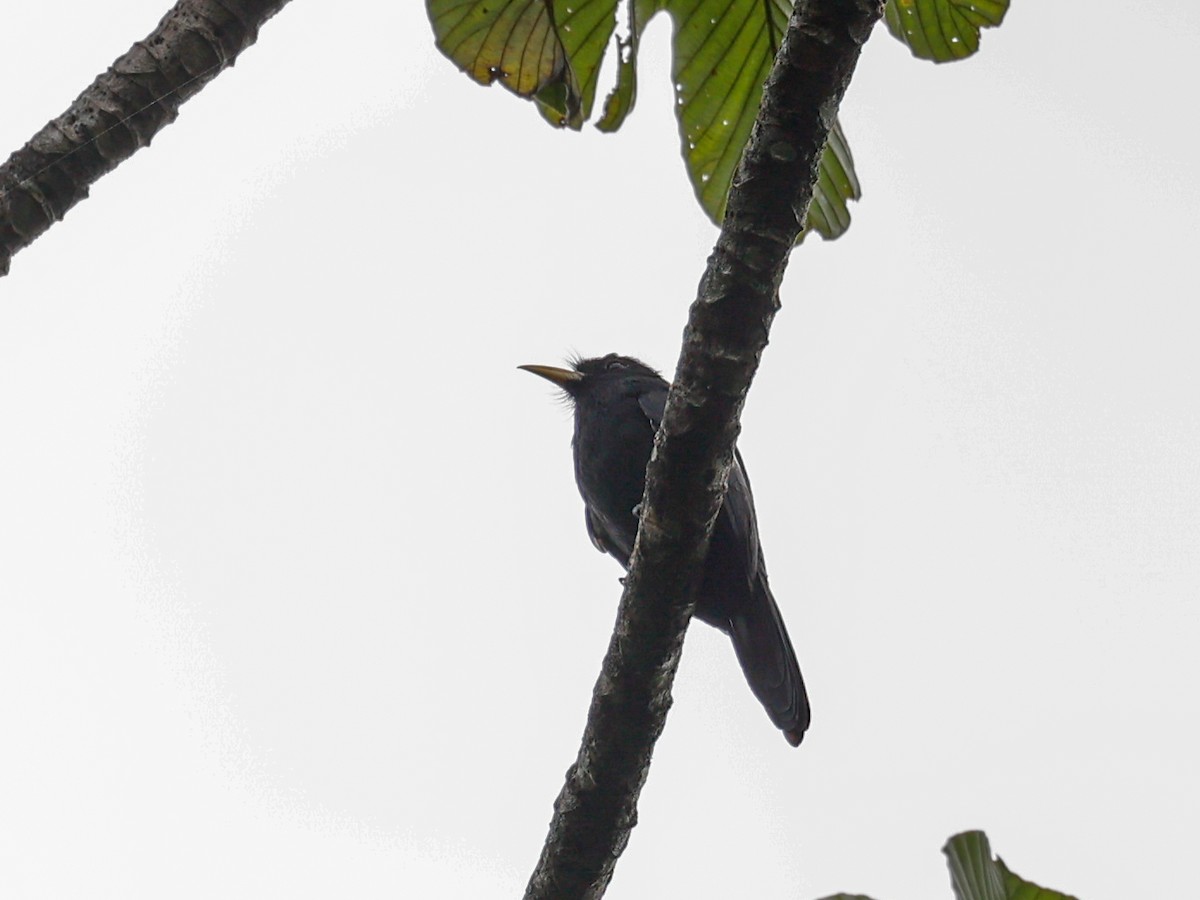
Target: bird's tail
{"x":765,"y":652}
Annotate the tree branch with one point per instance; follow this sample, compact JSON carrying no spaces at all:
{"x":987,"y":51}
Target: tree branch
{"x":120,"y":112}
{"x":685,"y":482}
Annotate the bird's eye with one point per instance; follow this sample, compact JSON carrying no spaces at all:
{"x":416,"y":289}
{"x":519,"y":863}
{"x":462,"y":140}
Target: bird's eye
{"x":614,"y":364}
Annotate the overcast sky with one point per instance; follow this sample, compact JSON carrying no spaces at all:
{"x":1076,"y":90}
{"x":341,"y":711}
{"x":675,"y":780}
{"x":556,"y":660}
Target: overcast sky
{"x":295,"y":594}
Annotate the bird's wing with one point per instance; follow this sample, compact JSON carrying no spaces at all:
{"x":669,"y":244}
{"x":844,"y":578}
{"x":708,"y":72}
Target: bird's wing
{"x":653,"y":402}
{"x":745,"y":608}
{"x":738,"y":512}
{"x":765,"y":652}
{"x":739,"y":516}
{"x":598,"y":533}
{"x":606,"y":536}
{"x":760,"y":638}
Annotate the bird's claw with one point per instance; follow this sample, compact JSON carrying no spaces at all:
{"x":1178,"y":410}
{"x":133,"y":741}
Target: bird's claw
{"x":637,"y":511}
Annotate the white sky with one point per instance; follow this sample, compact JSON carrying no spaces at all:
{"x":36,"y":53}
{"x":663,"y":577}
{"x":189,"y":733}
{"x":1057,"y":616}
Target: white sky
{"x":296,"y":595}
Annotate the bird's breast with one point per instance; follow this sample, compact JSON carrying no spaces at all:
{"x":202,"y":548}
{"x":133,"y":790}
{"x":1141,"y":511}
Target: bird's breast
{"x":612,"y":446}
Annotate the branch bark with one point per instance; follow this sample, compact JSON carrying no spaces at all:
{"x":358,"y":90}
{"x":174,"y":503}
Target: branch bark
{"x":726,"y":333}
{"x":120,"y":112}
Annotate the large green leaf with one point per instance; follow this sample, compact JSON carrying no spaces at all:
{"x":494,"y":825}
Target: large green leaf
{"x":829,"y":215}
{"x":722,"y":54}
{"x":975,"y":875}
{"x":585,"y":28}
{"x":942,"y":30}
{"x":1020,"y":889}
{"x":620,"y":101}
{"x":973,"y":872}
{"x":551,"y":51}
{"x":515,"y":42}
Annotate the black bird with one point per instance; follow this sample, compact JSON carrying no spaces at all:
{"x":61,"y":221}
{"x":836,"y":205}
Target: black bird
{"x":619,"y":404}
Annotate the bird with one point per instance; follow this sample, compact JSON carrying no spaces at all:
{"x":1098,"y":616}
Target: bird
{"x":618,"y":405}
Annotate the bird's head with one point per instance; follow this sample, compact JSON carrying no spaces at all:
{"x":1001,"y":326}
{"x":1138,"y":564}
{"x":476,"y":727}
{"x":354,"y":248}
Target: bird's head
{"x":585,"y":374}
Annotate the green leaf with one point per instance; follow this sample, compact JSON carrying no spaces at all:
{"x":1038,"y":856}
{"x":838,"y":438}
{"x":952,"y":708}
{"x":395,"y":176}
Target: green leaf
{"x":723,"y":52}
{"x":619,"y":102}
{"x":585,"y":28}
{"x":975,"y":875}
{"x":621,"y":99}
{"x":1020,"y":889}
{"x":837,"y":184}
{"x":515,"y":42}
{"x":551,"y":51}
{"x":942,"y":30}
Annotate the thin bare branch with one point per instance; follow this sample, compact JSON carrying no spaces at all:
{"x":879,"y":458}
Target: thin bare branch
{"x":120,"y":112}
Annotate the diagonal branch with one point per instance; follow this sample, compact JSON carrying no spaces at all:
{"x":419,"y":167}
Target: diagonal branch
{"x":120,"y":112}
{"x":685,"y":481}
